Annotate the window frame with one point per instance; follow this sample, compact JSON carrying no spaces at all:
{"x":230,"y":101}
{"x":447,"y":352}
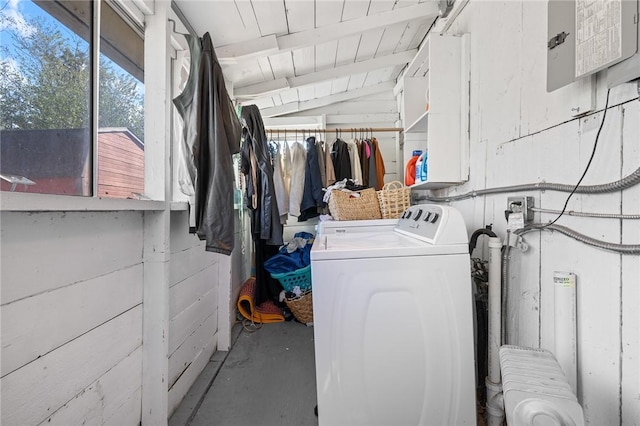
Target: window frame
{"x":28,"y":202}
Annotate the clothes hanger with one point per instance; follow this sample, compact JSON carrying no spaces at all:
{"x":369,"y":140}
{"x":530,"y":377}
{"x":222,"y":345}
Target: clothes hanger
{"x":173,"y":28}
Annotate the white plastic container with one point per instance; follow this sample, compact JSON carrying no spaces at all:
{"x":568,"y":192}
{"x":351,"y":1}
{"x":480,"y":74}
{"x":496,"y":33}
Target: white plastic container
{"x":421,"y":168}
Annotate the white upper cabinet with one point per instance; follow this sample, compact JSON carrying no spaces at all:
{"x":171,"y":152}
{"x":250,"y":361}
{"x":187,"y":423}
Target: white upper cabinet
{"x":436,"y":109}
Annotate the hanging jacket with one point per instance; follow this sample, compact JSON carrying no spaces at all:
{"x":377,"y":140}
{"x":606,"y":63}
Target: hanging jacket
{"x":265,"y":218}
{"x":341,"y":161}
{"x":380,"y":171}
{"x":312,"y":194}
{"x":218,"y":138}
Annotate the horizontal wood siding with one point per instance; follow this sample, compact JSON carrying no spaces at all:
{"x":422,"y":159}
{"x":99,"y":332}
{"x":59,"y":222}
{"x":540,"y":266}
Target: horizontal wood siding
{"x":48,"y":383}
{"x":193,"y":307}
{"x":112,"y":399}
{"x":45,"y":251}
{"x":71,"y":317}
{"x":120,"y":165}
{"x":37,"y":325}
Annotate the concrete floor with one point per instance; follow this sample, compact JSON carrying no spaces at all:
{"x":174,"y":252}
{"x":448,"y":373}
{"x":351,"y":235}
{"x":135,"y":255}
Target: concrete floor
{"x":267,"y":378}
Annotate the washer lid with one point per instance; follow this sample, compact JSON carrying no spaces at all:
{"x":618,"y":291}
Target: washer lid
{"x":351,"y":226}
{"x":375,"y":245}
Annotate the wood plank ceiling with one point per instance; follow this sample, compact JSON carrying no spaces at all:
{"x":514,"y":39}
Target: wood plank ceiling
{"x":293,"y":55}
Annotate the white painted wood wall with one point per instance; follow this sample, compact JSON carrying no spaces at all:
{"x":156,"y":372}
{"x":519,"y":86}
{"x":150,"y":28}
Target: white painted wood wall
{"x":521,"y":134}
{"x":71,"y":314}
{"x":71,"y":317}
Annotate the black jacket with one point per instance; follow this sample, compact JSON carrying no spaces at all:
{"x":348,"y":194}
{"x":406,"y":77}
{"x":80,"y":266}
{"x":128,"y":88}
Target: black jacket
{"x":218,"y":138}
{"x":313,"y":194}
{"x":265,"y":218}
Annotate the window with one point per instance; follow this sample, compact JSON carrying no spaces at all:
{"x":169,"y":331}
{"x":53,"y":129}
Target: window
{"x":120,"y":158}
{"x":46,"y":87}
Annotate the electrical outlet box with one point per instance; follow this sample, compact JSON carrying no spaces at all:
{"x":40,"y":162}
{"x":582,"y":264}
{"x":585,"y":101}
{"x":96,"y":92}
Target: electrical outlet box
{"x":521,"y":205}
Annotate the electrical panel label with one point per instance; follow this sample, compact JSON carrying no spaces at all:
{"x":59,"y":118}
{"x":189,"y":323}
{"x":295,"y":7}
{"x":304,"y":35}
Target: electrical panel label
{"x":598,"y":34}
{"x":564,"y":279}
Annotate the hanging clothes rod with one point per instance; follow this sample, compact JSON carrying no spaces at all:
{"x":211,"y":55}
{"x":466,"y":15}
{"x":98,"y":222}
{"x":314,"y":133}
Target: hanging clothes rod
{"x":342,"y":130}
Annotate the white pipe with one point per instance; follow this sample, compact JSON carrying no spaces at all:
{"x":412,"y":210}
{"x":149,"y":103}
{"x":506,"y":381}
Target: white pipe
{"x":495,"y":245}
{"x":495,"y":410}
{"x":495,"y":404}
{"x":565,"y":325}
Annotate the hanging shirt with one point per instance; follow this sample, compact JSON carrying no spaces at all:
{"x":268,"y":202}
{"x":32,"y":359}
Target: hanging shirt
{"x":323,"y":171}
{"x":286,"y":167}
{"x":298,"y":165}
{"x":354,"y":158}
{"x":364,"y":162}
{"x":330,"y":175}
{"x":282,"y":196}
{"x":186,"y":104}
{"x":186,"y":110}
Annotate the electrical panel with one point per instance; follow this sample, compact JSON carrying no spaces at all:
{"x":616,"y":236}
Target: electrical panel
{"x":584,"y":37}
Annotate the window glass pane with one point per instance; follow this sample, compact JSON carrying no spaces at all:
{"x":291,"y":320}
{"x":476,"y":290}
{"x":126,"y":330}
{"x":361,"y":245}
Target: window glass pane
{"x":121,"y":108}
{"x":45,"y":139}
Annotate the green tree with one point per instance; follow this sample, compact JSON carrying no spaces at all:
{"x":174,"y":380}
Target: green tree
{"x":121,"y":104}
{"x":45,"y":84}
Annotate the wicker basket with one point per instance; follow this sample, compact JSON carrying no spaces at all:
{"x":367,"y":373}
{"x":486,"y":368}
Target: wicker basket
{"x":302,"y":307}
{"x":300,"y":277}
{"x":344,"y":206}
{"x":394,"y":199}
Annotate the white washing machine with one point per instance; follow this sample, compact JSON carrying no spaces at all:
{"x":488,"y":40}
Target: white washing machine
{"x":349,"y":226}
{"x":393,"y":322}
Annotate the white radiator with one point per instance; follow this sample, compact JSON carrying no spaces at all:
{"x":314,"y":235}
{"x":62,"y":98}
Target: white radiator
{"x":535,"y":389}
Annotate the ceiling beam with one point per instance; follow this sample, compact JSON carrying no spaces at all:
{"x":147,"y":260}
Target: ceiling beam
{"x":327,"y":100}
{"x":388,"y":117}
{"x":280,"y":110}
{"x":261,"y":89}
{"x":286,"y":43}
{"x":299,"y":122}
{"x":325,"y":75}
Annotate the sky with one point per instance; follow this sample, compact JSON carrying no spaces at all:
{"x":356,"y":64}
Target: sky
{"x":14,"y":18}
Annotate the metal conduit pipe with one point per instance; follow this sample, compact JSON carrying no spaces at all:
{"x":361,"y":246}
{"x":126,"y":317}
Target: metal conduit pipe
{"x":587,"y":214}
{"x":605,"y":245}
{"x":624,"y":183}
{"x":627,"y":249}
{"x":505,"y":281}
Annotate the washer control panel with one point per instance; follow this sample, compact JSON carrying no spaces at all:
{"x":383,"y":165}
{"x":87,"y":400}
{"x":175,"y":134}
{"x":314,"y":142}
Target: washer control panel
{"x":433,"y":223}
